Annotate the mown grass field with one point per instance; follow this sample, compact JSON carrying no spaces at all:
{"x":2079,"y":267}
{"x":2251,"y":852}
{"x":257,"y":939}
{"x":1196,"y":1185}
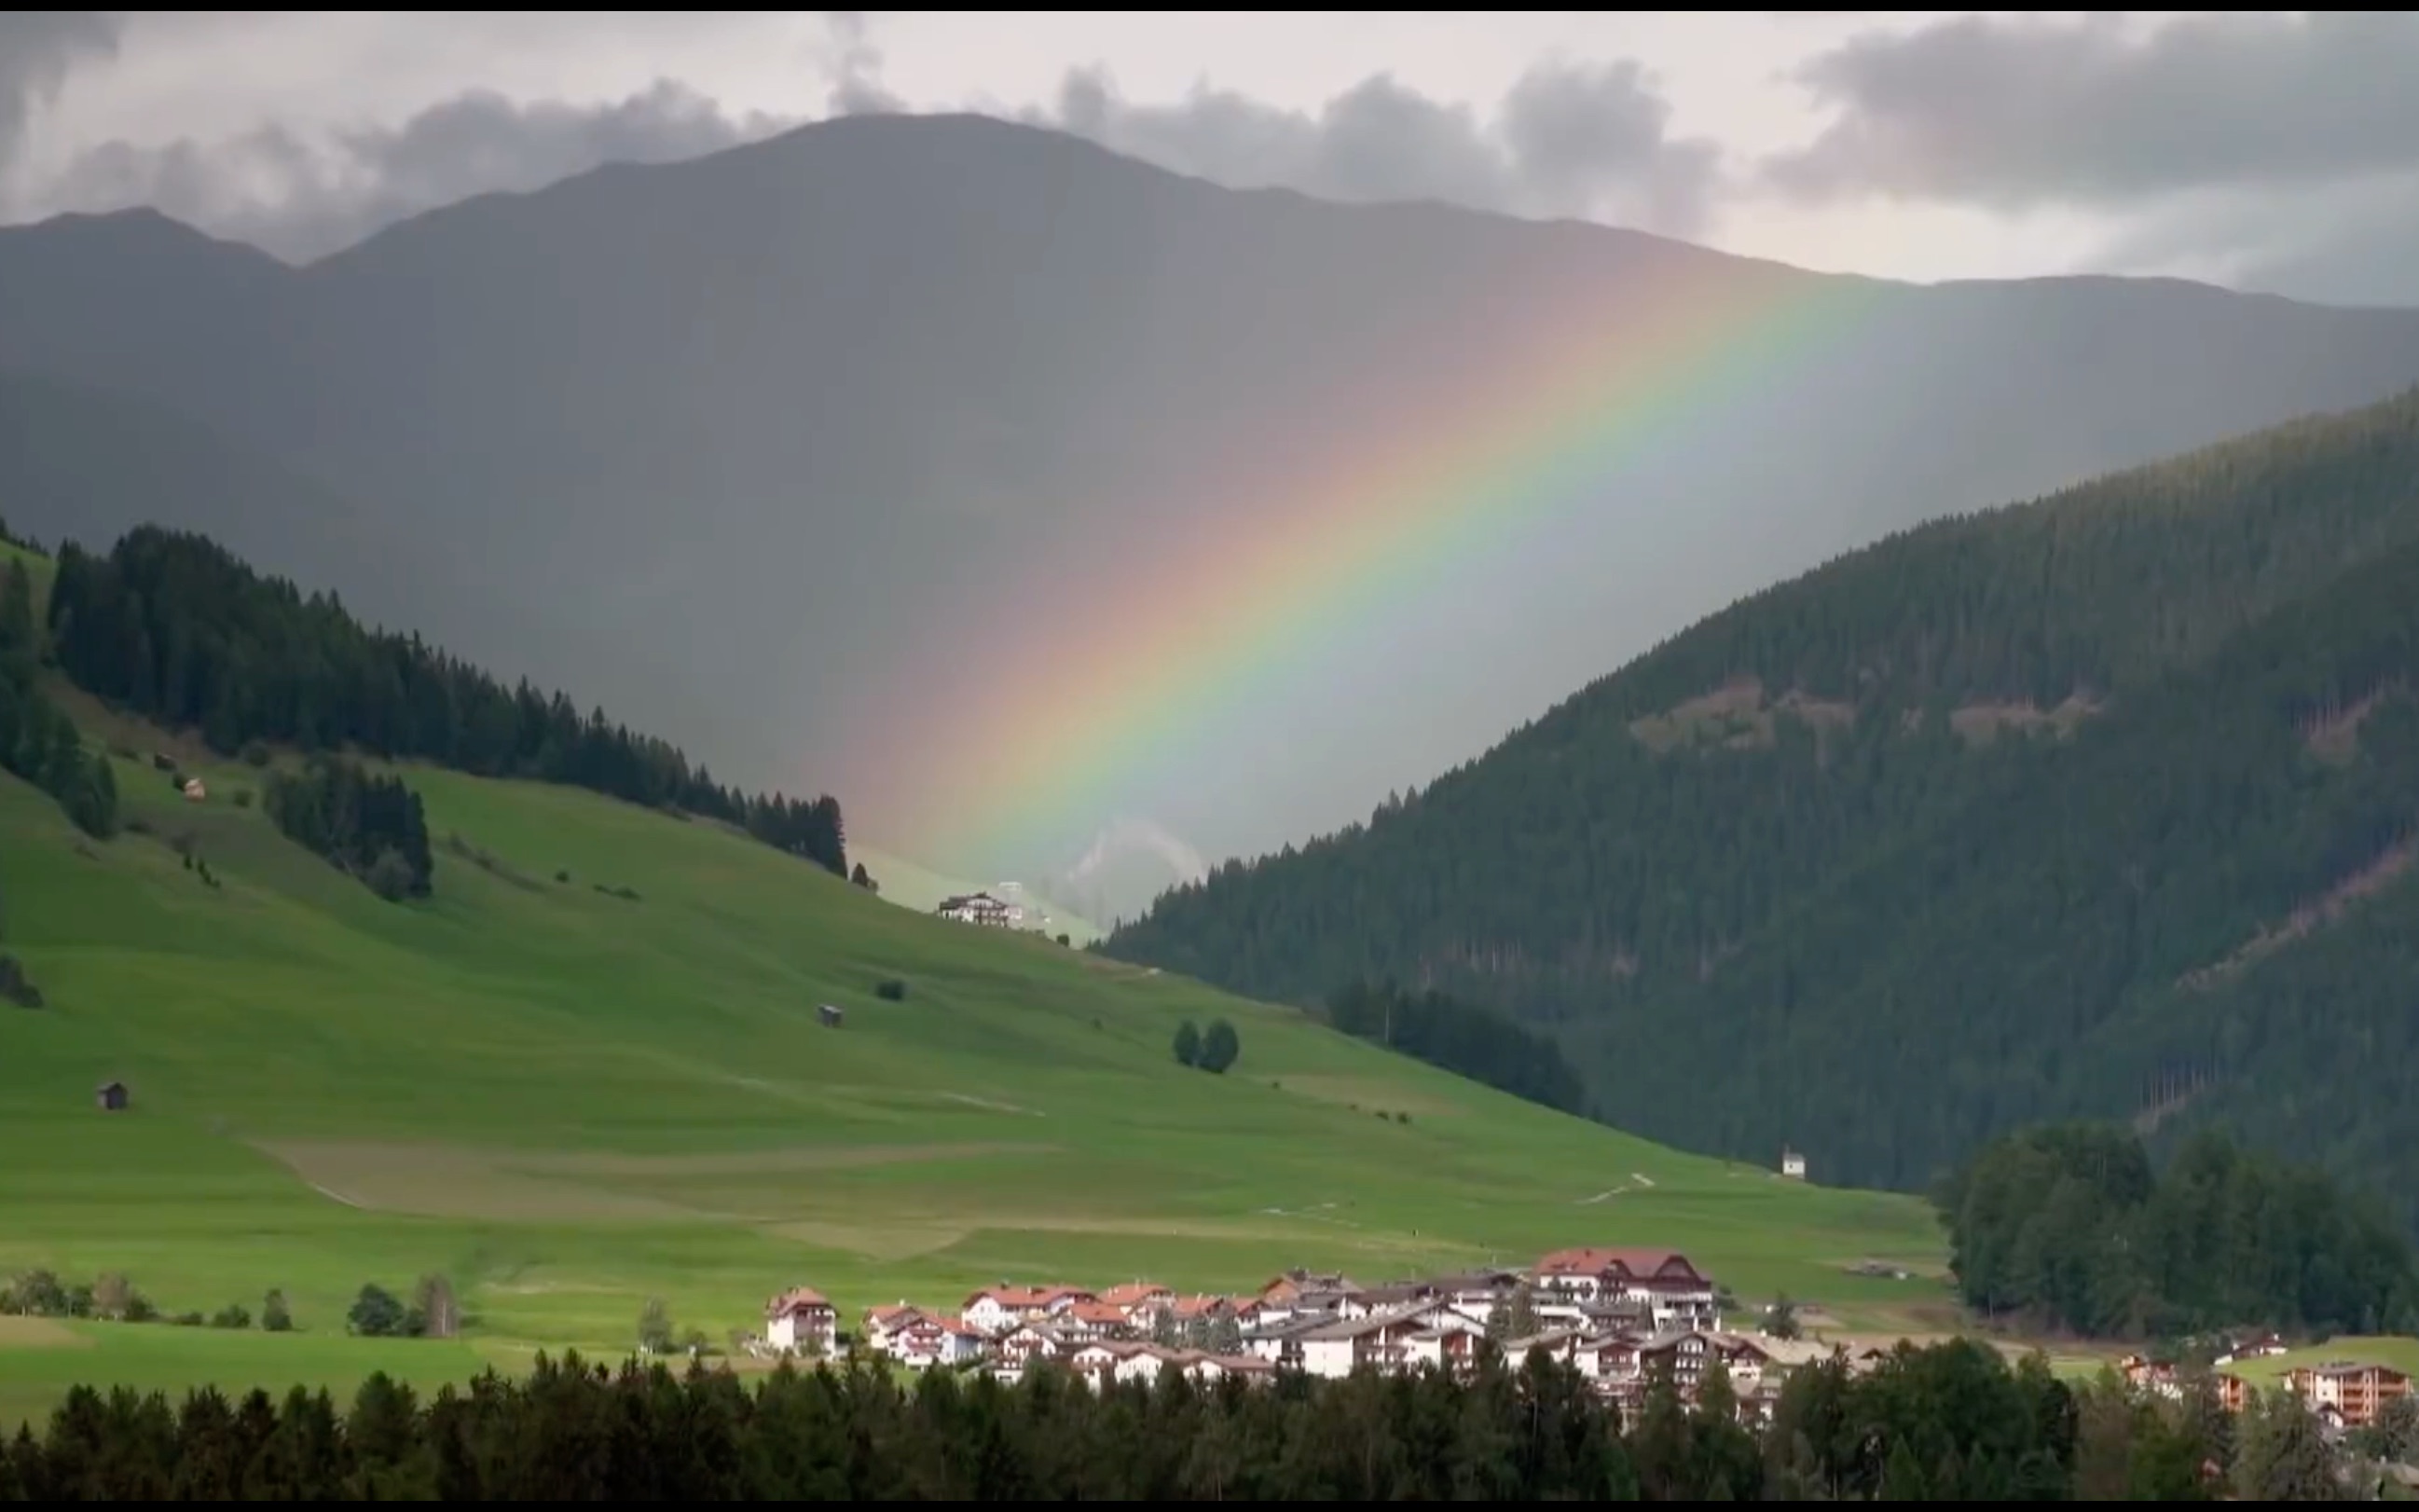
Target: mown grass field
{"x":569,"y":1101}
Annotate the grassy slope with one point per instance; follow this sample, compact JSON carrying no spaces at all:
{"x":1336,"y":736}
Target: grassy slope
{"x":920,"y":888}
{"x":37,"y":567}
{"x":2401,"y":1353}
{"x":570,"y":1101}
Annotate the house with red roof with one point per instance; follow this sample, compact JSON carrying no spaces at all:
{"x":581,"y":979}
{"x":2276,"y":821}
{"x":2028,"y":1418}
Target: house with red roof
{"x":1137,"y":1300}
{"x":883,"y":1323}
{"x":802,"y":1319}
{"x":997,"y":1309}
{"x":1089,"y":1320}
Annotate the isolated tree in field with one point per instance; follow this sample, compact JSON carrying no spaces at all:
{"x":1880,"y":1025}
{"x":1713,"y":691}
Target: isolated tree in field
{"x":1219,"y":1047}
{"x":376,"y":1313}
{"x":1188,"y":1044}
{"x":37,"y":1294}
{"x":655,"y":1326}
{"x":113,"y":1298}
{"x":274,"y":1316}
{"x":440,"y":1316}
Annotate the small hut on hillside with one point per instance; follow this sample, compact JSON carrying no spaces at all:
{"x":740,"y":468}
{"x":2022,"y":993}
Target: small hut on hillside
{"x":830,"y":1016}
{"x":110,"y":1097}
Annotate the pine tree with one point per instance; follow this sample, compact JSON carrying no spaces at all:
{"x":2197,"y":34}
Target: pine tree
{"x":16,"y":612}
{"x":1902,"y":1477}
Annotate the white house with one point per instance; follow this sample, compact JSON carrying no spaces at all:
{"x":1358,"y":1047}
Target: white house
{"x":980,"y":908}
{"x":1440,"y":1349}
{"x":802,"y":1319}
{"x":1792,"y":1164}
{"x":1144,"y":1363}
{"x":882,"y":1325}
{"x":1380,"y":1340}
{"x":928,"y":1341}
{"x":997,"y":1309}
{"x":1025,"y":1343}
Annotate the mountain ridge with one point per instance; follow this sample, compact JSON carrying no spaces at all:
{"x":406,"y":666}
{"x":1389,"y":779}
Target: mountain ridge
{"x":748,"y":443}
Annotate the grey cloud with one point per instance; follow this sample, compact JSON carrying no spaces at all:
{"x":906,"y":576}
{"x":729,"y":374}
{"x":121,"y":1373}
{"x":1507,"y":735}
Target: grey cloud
{"x":856,"y":67}
{"x":2014,"y":113}
{"x":301,"y":199}
{"x":37,"y":50}
{"x":2353,"y":242}
{"x":1568,"y":139}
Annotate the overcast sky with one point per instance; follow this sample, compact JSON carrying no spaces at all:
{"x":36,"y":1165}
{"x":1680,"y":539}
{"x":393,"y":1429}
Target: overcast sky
{"x":2275,"y":150}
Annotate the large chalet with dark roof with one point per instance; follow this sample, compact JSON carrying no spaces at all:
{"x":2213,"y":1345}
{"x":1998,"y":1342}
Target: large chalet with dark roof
{"x":1674,"y":1292}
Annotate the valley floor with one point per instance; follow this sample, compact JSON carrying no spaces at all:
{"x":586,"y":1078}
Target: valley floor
{"x":569,"y":1101}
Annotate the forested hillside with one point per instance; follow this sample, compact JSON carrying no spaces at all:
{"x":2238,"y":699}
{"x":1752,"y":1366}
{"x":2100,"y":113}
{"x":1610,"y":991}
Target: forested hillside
{"x":2093,"y":806}
{"x":173,"y":627}
{"x":36,"y":741}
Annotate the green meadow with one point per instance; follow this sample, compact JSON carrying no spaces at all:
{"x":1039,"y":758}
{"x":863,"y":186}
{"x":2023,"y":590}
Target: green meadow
{"x":568,"y":1100}
{"x":2387,"y":1349}
{"x":37,"y":568}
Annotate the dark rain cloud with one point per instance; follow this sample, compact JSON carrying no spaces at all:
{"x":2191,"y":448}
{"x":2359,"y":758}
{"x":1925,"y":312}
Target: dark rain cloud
{"x":2282,"y":150}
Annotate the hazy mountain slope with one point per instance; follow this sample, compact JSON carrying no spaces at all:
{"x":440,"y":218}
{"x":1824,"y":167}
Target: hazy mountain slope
{"x":793,"y":427}
{"x":1923,"y":843}
{"x":88,"y":464}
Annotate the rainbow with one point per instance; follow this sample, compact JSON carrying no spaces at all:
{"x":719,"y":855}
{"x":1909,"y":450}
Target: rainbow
{"x":1538,"y":422}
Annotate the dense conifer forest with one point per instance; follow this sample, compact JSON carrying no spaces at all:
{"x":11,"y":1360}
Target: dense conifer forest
{"x":2095,"y":807}
{"x":1463,"y":1037}
{"x":173,"y":627}
{"x":372,"y":827}
{"x":2068,"y":1228}
{"x":1953,"y":1422}
{"x":37,"y":742}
